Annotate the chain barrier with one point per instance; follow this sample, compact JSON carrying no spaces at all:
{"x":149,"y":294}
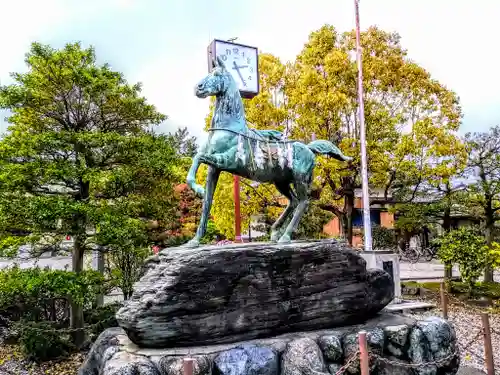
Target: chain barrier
{"x":495,"y":331}
{"x":344,"y":368}
{"x":341,"y":370}
{"x":436,"y":363}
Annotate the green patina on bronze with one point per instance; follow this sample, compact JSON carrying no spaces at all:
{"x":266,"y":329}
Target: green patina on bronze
{"x":259,"y":155}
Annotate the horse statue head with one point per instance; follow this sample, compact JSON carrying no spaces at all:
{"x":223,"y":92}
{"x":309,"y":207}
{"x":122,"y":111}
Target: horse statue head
{"x":229,"y":112}
{"x":217,"y":83}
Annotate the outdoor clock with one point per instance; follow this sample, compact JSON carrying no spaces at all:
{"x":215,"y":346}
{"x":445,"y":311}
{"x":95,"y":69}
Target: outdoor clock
{"x":241,"y":61}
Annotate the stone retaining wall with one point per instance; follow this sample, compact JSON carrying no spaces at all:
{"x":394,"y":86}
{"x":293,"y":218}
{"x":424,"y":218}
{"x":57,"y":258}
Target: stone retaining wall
{"x":398,"y":346}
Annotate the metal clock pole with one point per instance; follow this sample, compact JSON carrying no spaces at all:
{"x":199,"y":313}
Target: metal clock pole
{"x":361,"y":112}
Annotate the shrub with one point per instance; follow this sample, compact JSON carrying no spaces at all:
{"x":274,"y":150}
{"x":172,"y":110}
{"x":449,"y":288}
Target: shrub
{"x":42,"y":341}
{"x":102,"y":318}
{"x":37,"y":294}
{"x":383,"y":238}
{"x":35,"y":302}
{"x":467,"y":248}
{"x":125,"y":266}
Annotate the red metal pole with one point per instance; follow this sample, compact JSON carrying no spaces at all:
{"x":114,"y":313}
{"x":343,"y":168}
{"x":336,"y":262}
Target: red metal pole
{"x":188,"y":366}
{"x":237,"y":211}
{"x":363,"y":353}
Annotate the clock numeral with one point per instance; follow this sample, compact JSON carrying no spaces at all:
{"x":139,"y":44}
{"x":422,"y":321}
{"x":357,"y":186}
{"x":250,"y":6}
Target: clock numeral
{"x":235,"y":50}
{"x":249,"y":78}
{"x":243,"y":54}
{"x":224,"y":57}
{"x":248,"y":60}
{"x":228,"y":52}
{"x":251,"y":69}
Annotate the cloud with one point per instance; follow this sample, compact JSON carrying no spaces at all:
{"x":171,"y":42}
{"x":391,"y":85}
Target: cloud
{"x":169,"y":84}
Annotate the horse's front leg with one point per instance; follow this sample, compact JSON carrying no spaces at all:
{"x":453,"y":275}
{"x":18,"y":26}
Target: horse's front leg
{"x":191,"y":177}
{"x":211,"y":184}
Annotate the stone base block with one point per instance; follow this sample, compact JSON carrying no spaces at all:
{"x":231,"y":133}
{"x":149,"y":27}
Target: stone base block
{"x":399,"y":346}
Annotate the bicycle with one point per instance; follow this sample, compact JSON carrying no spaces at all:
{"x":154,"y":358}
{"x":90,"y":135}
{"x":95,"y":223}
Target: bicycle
{"x":410,"y":254}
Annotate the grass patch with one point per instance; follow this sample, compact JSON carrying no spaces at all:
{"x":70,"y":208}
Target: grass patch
{"x":485,"y":295}
{"x":490,"y":290}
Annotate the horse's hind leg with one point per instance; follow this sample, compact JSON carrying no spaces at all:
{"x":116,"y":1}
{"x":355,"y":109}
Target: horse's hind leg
{"x":211,"y":184}
{"x":283,"y":188}
{"x":302,"y":189}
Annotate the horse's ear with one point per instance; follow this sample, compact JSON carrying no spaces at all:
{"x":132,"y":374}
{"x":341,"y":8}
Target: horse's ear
{"x":220,"y":63}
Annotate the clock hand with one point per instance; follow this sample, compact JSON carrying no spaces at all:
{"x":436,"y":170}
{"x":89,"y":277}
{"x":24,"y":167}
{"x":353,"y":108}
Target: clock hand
{"x":239,"y":73}
{"x":241,"y":66}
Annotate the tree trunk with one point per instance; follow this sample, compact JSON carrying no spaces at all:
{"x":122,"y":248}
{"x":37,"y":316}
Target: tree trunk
{"x":448,"y":267}
{"x":76,"y":316}
{"x":99,"y":265}
{"x":349,"y":210}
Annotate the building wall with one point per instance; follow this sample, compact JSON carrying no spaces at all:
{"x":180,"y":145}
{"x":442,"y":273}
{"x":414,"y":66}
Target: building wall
{"x":334,"y":229}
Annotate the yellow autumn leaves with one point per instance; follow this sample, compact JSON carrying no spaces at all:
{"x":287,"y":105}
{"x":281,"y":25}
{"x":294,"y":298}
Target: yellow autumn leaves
{"x":411,"y":118}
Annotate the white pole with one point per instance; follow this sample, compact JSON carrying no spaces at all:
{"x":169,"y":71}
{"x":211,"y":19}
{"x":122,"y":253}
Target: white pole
{"x":362,"y":131}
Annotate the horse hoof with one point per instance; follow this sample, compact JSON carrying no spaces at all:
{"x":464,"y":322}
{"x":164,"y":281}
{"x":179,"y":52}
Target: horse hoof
{"x":191,"y":244}
{"x":285,"y":239}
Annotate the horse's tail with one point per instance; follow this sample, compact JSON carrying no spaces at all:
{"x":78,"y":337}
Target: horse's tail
{"x":327,"y":148}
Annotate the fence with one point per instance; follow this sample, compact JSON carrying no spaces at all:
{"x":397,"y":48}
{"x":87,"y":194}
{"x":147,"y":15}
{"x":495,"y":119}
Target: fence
{"x":485,"y":331}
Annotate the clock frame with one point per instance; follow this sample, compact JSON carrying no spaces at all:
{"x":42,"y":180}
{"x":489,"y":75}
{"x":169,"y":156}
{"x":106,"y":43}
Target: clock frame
{"x":212,"y":53}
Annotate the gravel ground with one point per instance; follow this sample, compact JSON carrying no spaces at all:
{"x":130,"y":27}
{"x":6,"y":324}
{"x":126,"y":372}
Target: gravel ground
{"x":467,"y":323}
{"x":12,"y":363}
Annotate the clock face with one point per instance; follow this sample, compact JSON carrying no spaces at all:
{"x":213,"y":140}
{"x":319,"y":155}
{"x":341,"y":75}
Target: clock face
{"x":242,"y":62}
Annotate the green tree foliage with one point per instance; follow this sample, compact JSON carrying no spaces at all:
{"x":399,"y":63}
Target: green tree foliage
{"x":411,"y":118}
{"x":125,"y":266}
{"x":185,"y":144}
{"x":432,"y":203}
{"x":383,"y":238}
{"x":79,"y":159}
{"x":467,"y":247}
{"x":311,"y":226}
{"x":483,"y":169}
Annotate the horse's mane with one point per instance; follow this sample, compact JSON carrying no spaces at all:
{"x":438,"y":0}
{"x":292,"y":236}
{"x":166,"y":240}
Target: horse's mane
{"x":231,"y":103}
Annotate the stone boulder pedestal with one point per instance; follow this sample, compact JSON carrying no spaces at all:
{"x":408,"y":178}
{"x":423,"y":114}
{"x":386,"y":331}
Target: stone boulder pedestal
{"x":267,"y":309}
{"x":223,"y":294}
{"x":398,"y":345}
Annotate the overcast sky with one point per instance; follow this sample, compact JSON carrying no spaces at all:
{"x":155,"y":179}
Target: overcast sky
{"x":162,"y":43}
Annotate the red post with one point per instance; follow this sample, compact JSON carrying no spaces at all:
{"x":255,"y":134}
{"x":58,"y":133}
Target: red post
{"x":237,"y":212}
{"x":488,"y":348}
{"x":363,"y":353}
{"x":187,"y":365}
{"x":444,"y":301}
